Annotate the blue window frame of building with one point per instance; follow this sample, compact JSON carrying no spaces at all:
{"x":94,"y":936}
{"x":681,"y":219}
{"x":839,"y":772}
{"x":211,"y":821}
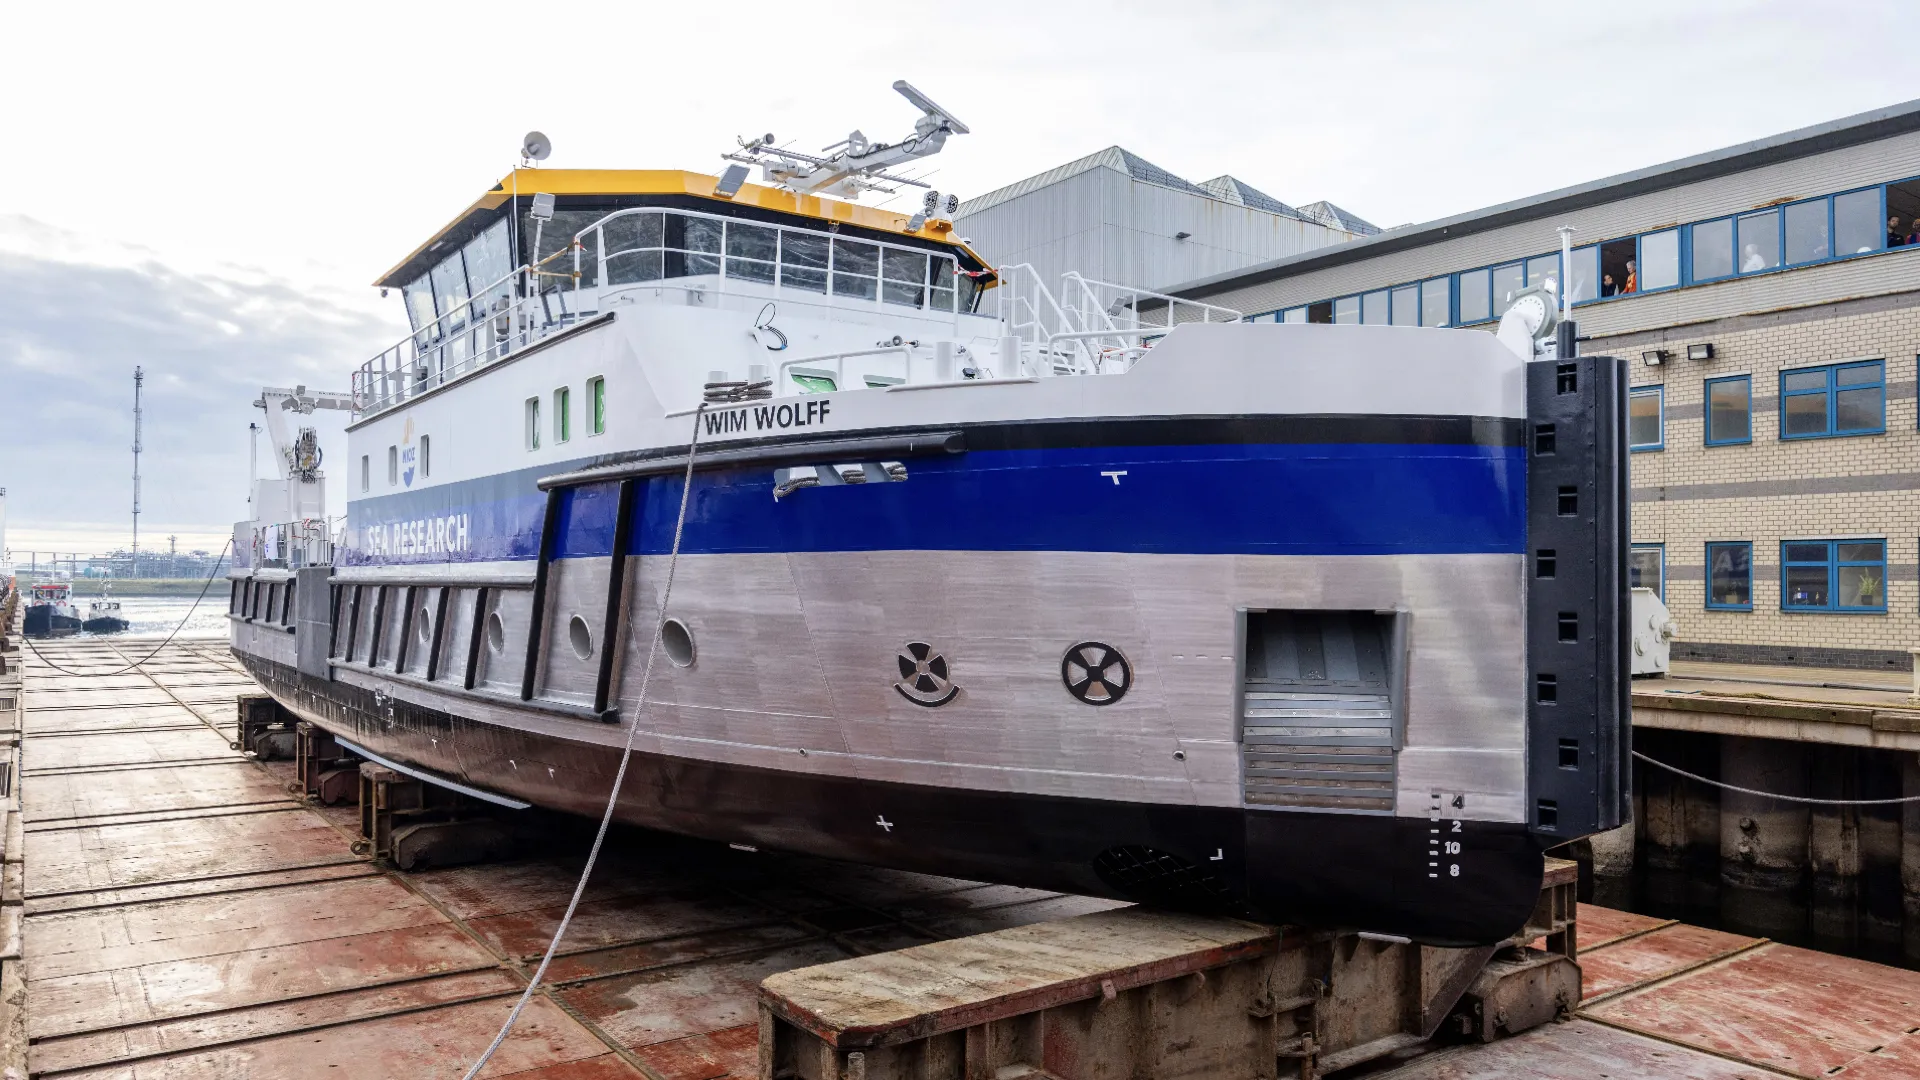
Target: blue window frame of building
{"x":1646,"y":418}
{"x":1809,"y":229}
{"x":1583,"y":280}
{"x":1659,"y":264}
{"x":1859,"y":222}
{"x":1647,"y":568}
{"x":1712,"y":243}
{"x":1833,"y":575}
{"x":1436,"y":302}
{"x":1757,"y":242}
{"x":1730,"y":576}
{"x":1834,"y":400}
{"x":1729,"y":419}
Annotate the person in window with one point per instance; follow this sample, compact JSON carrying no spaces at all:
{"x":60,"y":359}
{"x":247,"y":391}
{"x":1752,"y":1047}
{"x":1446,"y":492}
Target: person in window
{"x":1914,"y":236}
{"x":1896,"y":238}
{"x":1608,"y":287}
{"x":1633,"y":279}
{"x":1752,"y":260}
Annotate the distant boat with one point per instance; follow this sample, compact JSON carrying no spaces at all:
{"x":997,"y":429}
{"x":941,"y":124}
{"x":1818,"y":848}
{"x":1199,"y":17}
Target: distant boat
{"x":103,"y":617}
{"x":50,"y":611}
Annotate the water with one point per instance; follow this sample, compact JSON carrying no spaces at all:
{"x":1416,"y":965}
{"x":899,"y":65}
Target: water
{"x":154,"y":617}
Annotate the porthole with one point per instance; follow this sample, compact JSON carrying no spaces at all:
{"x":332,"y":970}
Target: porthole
{"x":580,"y":636}
{"x":496,"y":633}
{"x":677,"y":641}
{"x":423,"y":627}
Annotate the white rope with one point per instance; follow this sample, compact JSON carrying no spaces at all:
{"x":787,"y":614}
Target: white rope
{"x":1771,"y":795}
{"x":619,"y":777}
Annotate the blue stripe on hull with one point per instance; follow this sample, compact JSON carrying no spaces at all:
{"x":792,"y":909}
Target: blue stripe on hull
{"x":1284,"y":499}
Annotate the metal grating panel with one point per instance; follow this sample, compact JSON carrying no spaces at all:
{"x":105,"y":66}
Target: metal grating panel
{"x":1317,"y":717}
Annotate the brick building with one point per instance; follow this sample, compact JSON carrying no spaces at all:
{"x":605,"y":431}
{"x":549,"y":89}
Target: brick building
{"x":1768,"y":297}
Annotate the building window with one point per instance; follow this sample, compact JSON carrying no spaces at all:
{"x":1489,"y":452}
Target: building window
{"x":1542,"y":270}
{"x":597,"y":406}
{"x":1839,"y":399}
{"x":533,"y":423}
{"x":1858,"y":226}
{"x":1507,"y":282}
{"x":1476,"y":304}
{"x":1293,"y":315}
{"x":426,"y":456}
{"x":1647,"y":568}
{"x":1833,"y":575}
{"x":393,"y":466}
{"x":1759,"y":241}
{"x":366,"y":473}
{"x":1659,"y":263}
{"x":1436,"y":302}
{"x":1406,"y":305}
{"x":1713,"y":250}
{"x":1584,"y":277}
{"x":1373,"y":309}
{"x":1730,"y":410}
{"x":1645,"y":418}
{"x":1730,"y":576}
{"x":1321,"y":312}
{"x":1346,"y":309}
{"x":562,"y":414}
{"x":1903,"y":214}
{"x":1618,"y":259}
{"x":1808,"y":227}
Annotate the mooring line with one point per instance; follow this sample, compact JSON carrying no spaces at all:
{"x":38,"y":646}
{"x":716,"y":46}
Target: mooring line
{"x":1772,"y":795}
{"x":135,"y":666}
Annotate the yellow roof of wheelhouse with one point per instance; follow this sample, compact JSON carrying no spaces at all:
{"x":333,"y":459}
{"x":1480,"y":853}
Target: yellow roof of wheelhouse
{"x":673,"y":182}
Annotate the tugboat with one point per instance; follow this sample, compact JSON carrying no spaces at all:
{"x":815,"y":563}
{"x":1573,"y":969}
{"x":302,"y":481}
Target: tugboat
{"x":50,"y":611}
{"x":103,"y":616}
{"x":1086,"y":588}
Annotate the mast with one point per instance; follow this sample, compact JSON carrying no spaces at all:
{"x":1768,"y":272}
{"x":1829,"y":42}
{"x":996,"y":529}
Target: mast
{"x":138,"y":378}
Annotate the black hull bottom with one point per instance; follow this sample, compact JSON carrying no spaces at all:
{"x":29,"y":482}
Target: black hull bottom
{"x":106,"y":624}
{"x":42,"y":622}
{"x":1383,"y":874}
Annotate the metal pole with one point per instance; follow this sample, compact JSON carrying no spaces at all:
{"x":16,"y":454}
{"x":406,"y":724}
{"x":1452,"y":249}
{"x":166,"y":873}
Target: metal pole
{"x":1566,"y":340}
{"x":138,"y":378}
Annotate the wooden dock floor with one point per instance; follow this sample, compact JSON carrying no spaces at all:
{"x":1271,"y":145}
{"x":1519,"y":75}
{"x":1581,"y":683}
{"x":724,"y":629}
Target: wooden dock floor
{"x":182,"y":916}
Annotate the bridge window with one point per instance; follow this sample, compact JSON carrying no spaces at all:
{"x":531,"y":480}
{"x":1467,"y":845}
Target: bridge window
{"x":418,"y":297}
{"x":633,"y":247}
{"x":803,"y":262}
{"x":903,"y":277}
{"x":488,"y":265}
{"x":856,"y":269}
{"x":450,"y":292}
{"x":752,"y":251}
{"x":693,"y":246}
{"x":942,"y":292}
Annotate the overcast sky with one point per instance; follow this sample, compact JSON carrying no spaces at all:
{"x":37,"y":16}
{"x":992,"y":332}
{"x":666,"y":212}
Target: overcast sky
{"x":206,"y":190}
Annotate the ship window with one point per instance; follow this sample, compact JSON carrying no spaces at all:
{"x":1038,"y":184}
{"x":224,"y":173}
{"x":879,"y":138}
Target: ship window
{"x":855,"y":268}
{"x":533,"y":423}
{"x":554,"y":258}
{"x":693,"y":246}
{"x":596,"y":405}
{"x":366,"y":472}
{"x":426,"y":457}
{"x":1476,"y":304}
{"x":803,"y":262}
{"x":904,"y":277}
{"x":450,"y":291}
{"x":418,"y":296}
{"x":562,"y":415}
{"x":393,"y":466}
{"x":488,"y":265}
{"x":943,"y":279}
{"x":814,"y":382}
{"x":633,"y":248}
{"x":750,"y":251}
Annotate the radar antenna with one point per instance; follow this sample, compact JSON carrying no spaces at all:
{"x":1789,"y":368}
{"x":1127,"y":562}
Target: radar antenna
{"x":856,"y":163}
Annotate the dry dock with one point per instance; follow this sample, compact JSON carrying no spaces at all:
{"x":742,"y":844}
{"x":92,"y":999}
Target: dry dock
{"x":182,"y":915}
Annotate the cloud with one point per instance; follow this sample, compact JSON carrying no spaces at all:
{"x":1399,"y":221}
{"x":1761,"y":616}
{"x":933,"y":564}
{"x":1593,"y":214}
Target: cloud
{"x":71,"y":333}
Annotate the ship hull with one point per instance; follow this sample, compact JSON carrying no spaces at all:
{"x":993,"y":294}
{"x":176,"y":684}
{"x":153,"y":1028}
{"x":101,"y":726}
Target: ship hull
{"x":46,"y":621}
{"x":1299,"y":867}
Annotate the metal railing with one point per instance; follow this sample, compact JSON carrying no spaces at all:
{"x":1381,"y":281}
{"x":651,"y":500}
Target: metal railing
{"x":290,"y":545}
